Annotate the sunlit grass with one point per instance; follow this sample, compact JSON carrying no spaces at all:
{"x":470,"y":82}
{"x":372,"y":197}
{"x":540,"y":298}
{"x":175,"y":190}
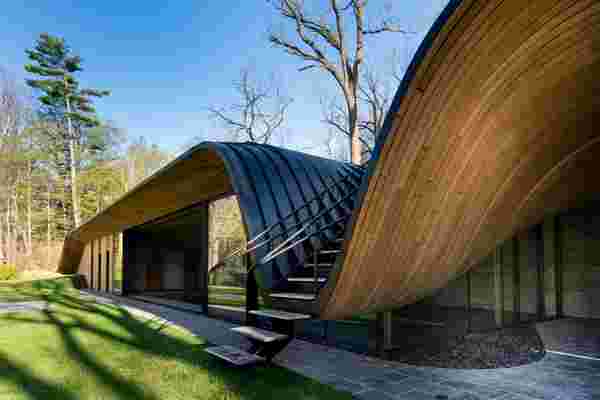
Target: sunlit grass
{"x":83,"y":350}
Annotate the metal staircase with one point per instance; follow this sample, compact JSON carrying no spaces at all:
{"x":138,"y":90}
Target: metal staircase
{"x":300,"y":289}
{"x":303,"y":248}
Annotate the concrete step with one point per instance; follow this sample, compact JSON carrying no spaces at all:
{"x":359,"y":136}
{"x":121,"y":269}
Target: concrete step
{"x":333,"y":251}
{"x":296,"y":302}
{"x":304,"y":284}
{"x":293,"y":296}
{"x":234,"y":355}
{"x":319,"y":265}
{"x":280,"y":314}
{"x":306,"y":280}
{"x":258,"y":334}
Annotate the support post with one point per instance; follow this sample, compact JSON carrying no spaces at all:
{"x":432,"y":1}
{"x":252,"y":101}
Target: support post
{"x":539,"y":247}
{"x":251,"y":294}
{"x":387,"y":330}
{"x":203,"y":263}
{"x":558,"y":266}
{"x":107,"y":273}
{"x":92,"y":260}
{"x":469,"y":302}
{"x":516,"y":281}
{"x":379,"y":335}
{"x":99,"y":269}
{"x":127,"y":261}
{"x":114,"y":261}
{"x":498,"y":288}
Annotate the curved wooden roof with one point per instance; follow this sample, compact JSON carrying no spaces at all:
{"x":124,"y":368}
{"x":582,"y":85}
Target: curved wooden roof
{"x":271,"y":182}
{"x":494,"y":126}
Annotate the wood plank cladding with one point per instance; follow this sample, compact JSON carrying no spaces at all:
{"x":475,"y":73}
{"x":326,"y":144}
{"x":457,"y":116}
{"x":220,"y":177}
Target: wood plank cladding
{"x":491,"y":130}
{"x":270,"y":183}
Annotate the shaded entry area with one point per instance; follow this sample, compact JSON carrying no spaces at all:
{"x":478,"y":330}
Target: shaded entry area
{"x":168,"y":257}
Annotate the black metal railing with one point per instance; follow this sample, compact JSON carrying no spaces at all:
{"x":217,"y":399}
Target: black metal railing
{"x":308,"y":223}
{"x":289,"y":243}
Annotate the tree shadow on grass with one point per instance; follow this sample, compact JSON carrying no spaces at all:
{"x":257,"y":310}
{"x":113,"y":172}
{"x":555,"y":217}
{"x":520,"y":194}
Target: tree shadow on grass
{"x":70,"y":314}
{"x":26,"y":381}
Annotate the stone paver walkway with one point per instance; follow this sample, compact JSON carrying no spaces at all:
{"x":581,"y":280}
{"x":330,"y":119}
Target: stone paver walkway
{"x":555,"y":377}
{"x":23,"y":306}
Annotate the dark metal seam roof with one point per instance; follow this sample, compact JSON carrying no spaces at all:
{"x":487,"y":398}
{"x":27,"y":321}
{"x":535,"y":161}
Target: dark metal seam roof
{"x":271,"y":182}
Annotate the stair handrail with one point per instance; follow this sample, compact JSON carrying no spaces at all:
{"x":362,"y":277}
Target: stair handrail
{"x":272,"y":253}
{"x":276,"y":254}
{"x":305,"y":205}
{"x":244,"y":250}
{"x":286,"y":246}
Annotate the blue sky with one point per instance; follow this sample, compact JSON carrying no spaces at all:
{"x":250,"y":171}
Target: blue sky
{"x":167,"y":61}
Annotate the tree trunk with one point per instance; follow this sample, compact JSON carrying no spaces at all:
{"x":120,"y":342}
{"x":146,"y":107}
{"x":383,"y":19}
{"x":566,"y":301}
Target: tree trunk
{"x":355,"y":143}
{"x":70,"y":164}
{"x":29,"y":218}
{"x":9,"y":254}
{"x":67,"y":188}
{"x":74,"y":192}
{"x":18,"y":229}
{"x":2,"y":248}
{"x":49,"y":226}
{"x":70,"y":200}
{"x":356,"y":146}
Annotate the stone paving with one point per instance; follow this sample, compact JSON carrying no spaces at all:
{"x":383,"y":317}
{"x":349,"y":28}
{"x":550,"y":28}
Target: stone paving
{"x":555,"y":377}
{"x":23,"y":306}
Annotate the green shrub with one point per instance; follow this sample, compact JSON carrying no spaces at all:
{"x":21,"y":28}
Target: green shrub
{"x":8,"y":272}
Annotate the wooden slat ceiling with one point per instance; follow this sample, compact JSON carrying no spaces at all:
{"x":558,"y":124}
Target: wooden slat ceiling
{"x":495,"y":126}
{"x":193,"y":178}
{"x":199,"y":177}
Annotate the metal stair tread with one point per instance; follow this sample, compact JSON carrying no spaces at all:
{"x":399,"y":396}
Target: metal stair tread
{"x":330,"y":251}
{"x":234,"y":355}
{"x":280,"y":314}
{"x":259,"y":334}
{"x":306,"y":280}
{"x":311,"y":265}
{"x":293,"y":296}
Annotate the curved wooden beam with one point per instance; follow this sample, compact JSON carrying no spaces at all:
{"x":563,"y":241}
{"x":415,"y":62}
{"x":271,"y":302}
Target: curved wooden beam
{"x":494,"y":127}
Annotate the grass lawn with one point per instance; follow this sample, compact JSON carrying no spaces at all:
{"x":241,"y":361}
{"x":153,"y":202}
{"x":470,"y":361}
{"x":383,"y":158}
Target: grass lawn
{"x":83,"y":350}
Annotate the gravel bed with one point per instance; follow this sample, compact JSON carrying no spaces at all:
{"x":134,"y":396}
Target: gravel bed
{"x":501,"y":348}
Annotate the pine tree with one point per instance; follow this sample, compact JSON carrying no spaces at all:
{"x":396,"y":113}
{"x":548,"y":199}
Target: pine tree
{"x":64,"y":104}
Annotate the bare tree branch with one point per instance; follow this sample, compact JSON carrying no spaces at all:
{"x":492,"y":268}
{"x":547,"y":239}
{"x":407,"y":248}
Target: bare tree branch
{"x":386,"y":26}
{"x":326,"y":46}
{"x":248,"y":119}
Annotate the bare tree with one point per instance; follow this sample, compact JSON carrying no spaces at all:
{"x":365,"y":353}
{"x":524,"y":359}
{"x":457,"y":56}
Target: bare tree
{"x":376,"y":95}
{"x":12,"y":117}
{"x":374,"y":98}
{"x":11,"y":107}
{"x":334,"y":147}
{"x":333,"y":48}
{"x":258,"y":115}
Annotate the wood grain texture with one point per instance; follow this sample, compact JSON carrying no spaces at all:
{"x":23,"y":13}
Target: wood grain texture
{"x":495,"y":126}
